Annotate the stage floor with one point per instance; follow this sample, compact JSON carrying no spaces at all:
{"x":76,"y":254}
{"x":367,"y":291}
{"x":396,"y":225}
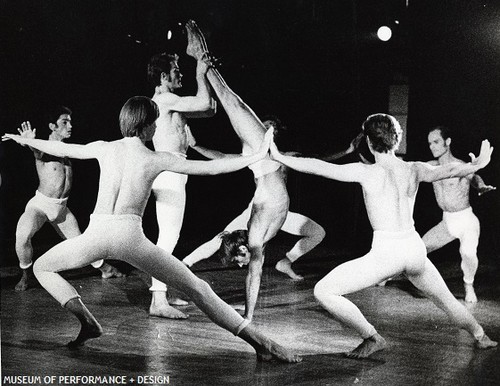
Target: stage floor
{"x":424,"y":348}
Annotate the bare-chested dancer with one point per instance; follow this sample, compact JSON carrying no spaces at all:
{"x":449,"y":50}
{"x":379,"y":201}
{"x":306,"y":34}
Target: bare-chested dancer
{"x":309,"y":231}
{"x":270,"y":200}
{"x":389,"y":189}
{"x":128,"y":170}
{"x":170,"y":188}
{"x":459,"y":222}
{"x":55,"y":176}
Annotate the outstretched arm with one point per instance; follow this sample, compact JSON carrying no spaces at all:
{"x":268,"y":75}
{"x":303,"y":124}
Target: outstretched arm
{"x":478,"y":183}
{"x":170,"y":162}
{"x":27,"y":132}
{"x":354,"y":172}
{"x":252,"y":282}
{"x":430,"y":173}
{"x":208,"y":153}
{"x":58,"y":148}
{"x":203,"y":252}
{"x":352,"y":146}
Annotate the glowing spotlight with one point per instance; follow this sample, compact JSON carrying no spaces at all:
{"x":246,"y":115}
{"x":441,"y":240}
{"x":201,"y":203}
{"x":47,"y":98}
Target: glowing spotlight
{"x":384,"y":33}
{"x":169,"y":35}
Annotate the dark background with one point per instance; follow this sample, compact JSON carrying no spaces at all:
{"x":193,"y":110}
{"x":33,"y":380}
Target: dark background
{"x":315,"y":63}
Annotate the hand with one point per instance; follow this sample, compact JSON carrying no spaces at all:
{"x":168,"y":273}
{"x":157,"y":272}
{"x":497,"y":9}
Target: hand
{"x":14,"y":137}
{"x":264,"y":146}
{"x":355,"y":142}
{"x":485,"y":189}
{"x":190,"y":138}
{"x":484,"y":155}
{"x":202,"y":67}
{"x":25,"y":131}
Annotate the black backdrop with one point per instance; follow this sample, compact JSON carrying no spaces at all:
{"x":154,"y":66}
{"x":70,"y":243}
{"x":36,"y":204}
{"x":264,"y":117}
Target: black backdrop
{"x":314,"y":63}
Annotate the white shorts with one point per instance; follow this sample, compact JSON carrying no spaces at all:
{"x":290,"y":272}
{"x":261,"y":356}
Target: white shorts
{"x":462,"y":223}
{"x":51,"y":207}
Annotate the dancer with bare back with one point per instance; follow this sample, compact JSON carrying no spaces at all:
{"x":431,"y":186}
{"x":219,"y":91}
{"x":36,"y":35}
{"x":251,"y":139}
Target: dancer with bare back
{"x":270,"y":200}
{"x":389,"y":188}
{"x":128,"y":170}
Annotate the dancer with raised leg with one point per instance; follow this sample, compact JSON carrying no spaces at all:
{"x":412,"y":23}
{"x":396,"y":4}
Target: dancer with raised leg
{"x":389,"y":188}
{"x":233,"y":241}
{"x":128,"y":169}
{"x":270,"y":200}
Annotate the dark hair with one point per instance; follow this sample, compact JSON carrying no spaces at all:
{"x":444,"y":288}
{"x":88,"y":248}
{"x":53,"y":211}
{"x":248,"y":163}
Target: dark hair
{"x":53,"y":114}
{"x":444,"y":130}
{"x":137,"y":113}
{"x":231,"y":242}
{"x":160,"y":63}
{"x":384,"y":132}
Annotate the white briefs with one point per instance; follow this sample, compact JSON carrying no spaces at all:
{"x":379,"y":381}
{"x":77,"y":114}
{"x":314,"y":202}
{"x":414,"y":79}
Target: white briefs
{"x":51,"y":207}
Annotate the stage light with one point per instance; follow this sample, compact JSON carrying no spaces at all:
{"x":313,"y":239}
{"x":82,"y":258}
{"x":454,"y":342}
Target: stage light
{"x":384,"y":33}
{"x":169,"y":35}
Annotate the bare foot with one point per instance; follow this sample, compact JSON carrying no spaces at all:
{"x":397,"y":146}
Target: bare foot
{"x":197,"y":46}
{"x":285,"y":266}
{"x":161,"y":308}
{"x":88,"y":331}
{"x":270,"y":350}
{"x":470,"y":294}
{"x":108,"y":271}
{"x":26,"y":280}
{"x":485,"y":342}
{"x":368,"y":347}
{"x":177,"y":301}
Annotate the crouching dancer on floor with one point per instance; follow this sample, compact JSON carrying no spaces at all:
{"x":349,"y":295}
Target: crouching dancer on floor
{"x":389,"y":189}
{"x":128,"y":169}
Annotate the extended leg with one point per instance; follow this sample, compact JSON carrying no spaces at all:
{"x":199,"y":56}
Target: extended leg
{"x":433,"y":285}
{"x":67,"y":227}
{"x":168,"y":269}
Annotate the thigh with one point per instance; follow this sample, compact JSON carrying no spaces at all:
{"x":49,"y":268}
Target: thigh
{"x":358,"y":274}
{"x":469,"y":236}
{"x":437,"y":237}
{"x":299,"y":225}
{"x":30,"y":222}
{"x":240,"y":222}
{"x":430,"y":281}
{"x":73,"y":253}
{"x":66,"y":225}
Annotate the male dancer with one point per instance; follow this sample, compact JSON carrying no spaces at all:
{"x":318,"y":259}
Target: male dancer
{"x":270,"y":200}
{"x":55,"y":175}
{"x":459,"y":222}
{"x":170,"y":188}
{"x":389,"y":188}
{"x":311,"y":232}
{"x":128,"y":170}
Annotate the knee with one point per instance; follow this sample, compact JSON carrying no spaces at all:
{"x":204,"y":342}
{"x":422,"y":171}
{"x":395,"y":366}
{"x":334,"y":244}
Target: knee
{"x":198,"y":289}
{"x":468,"y":254}
{"x":319,"y":234}
{"x":323,"y":291}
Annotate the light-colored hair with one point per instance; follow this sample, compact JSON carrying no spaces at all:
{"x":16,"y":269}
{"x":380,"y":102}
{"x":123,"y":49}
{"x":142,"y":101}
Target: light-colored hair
{"x":138,"y":113}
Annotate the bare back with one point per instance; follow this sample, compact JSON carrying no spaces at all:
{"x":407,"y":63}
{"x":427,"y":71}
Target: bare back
{"x":55,"y":175}
{"x":389,"y":194}
{"x":128,"y":170}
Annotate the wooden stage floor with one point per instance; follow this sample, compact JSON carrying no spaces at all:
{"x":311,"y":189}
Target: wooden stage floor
{"x":424,"y":348}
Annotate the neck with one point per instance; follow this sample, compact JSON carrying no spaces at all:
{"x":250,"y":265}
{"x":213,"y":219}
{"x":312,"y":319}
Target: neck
{"x":384,"y":157}
{"x":55,"y":137}
{"x":161,"y":89}
{"x":446,"y":157}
